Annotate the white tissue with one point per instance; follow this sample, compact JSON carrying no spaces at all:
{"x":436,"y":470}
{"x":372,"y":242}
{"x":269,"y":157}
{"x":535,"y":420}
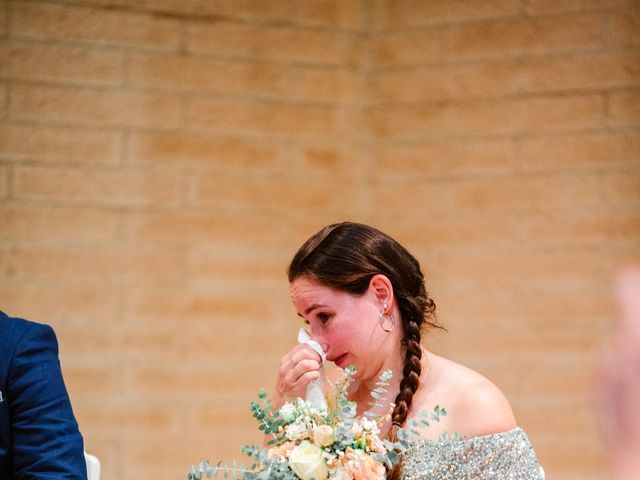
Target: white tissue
{"x":315,"y":389}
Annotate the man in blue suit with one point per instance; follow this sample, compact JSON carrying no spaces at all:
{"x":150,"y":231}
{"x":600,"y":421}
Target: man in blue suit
{"x":39,"y":436}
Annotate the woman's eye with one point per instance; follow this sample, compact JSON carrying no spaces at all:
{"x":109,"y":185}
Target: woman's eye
{"x":324,"y":317}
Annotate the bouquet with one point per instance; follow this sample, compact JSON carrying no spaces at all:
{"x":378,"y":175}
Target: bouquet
{"x":311,"y":443}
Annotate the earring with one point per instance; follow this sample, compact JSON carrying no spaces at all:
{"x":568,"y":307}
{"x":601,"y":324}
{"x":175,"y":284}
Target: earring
{"x":391,"y":318}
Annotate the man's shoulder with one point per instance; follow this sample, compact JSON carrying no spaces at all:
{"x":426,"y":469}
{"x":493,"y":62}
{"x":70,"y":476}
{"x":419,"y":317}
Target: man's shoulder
{"x":12,"y":329}
{"x":24,"y":339}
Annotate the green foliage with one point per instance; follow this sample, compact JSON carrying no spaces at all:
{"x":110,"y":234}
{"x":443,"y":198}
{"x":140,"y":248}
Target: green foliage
{"x":378,"y":394}
{"x":341,"y":416}
{"x":404,"y":437}
{"x":263,"y":413}
{"x":207,"y":470}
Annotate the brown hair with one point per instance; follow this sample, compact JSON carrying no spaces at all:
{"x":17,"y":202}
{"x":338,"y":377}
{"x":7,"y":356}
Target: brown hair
{"x":345,"y":256}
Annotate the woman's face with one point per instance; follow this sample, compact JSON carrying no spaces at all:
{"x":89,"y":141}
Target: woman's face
{"x":347,"y":326}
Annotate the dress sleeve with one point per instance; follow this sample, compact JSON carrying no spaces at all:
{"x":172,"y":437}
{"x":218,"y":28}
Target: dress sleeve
{"x":47,"y":443}
{"x":500,"y":456}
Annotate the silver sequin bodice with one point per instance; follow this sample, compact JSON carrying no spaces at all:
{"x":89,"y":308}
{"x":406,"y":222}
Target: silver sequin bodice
{"x":500,"y":456}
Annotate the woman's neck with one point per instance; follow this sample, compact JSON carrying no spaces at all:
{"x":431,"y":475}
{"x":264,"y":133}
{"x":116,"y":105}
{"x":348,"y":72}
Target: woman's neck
{"x":361,"y":390}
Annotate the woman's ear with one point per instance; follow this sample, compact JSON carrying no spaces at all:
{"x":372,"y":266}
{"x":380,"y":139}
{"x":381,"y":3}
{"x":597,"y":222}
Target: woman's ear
{"x":380,"y":286}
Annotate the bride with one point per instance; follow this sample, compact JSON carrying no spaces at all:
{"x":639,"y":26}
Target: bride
{"x":364,"y":300}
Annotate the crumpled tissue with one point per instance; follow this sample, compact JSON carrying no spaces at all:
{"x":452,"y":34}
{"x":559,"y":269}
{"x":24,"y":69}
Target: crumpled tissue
{"x":315,"y":389}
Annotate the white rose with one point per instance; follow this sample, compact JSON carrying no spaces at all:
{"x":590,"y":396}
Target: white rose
{"x":323,"y":435}
{"x":288,"y":412}
{"x":307,"y":463}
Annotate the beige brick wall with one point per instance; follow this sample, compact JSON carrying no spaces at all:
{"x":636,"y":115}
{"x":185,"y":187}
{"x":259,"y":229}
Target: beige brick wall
{"x":160,"y":162}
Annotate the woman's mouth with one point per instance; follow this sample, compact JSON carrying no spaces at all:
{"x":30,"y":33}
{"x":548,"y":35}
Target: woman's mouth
{"x":341,"y":361}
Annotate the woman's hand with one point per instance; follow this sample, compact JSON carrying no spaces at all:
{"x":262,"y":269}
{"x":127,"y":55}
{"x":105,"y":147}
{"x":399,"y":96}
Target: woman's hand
{"x":298,"y":367}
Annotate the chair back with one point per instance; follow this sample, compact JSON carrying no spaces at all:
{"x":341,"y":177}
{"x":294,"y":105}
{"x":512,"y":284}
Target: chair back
{"x":93,"y":466}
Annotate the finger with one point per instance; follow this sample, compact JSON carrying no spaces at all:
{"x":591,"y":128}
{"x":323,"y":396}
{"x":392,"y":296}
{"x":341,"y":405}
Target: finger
{"x":305,"y":366}
{"x":292,"y":375}
{"x":303,"y":381}
{"x":302,"y":351}
{"x":297,"y":354}
{"x":291,"y":379}
{"x":294,"y":389}
{"x":290,"y":359}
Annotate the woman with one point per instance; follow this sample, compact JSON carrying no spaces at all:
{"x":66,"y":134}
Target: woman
{"x":363,"y":297}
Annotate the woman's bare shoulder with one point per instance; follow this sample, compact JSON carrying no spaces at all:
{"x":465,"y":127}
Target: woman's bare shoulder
{"x":482,"y":409}
{"x":475,"y":405}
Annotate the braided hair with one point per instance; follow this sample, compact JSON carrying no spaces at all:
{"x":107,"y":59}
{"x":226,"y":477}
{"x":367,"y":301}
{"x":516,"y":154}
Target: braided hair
{"x":345,"y":256}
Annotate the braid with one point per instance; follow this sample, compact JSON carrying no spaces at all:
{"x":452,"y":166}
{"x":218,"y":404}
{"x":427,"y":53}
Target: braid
{"x":410,"y":374}
{"x":415,"y":311}
{"x":408,"y":385}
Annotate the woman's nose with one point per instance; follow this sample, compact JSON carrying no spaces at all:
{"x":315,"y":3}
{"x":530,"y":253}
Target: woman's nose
{"x":320,"y":339}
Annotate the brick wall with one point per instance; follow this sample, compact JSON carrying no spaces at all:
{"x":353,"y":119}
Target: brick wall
{"x":507,"y":134}
{"x":160,"y":162}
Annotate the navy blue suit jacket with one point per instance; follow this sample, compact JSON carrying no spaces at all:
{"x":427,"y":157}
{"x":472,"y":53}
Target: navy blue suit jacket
{"x":39,"y":436}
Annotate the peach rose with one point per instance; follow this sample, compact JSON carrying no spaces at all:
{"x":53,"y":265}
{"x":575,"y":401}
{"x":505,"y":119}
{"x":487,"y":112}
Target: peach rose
{"x":323,"y":435}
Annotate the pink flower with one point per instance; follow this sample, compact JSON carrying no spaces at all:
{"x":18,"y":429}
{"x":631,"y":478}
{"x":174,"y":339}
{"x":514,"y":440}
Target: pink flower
{"x":364,"y":467}
{"x":375,"y":444}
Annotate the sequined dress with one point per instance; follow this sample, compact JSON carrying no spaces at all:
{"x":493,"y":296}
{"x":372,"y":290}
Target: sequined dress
{"x":500,"y":456}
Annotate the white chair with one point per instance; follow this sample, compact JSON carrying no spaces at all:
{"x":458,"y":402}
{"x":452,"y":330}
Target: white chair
{"x":93,"y":467}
